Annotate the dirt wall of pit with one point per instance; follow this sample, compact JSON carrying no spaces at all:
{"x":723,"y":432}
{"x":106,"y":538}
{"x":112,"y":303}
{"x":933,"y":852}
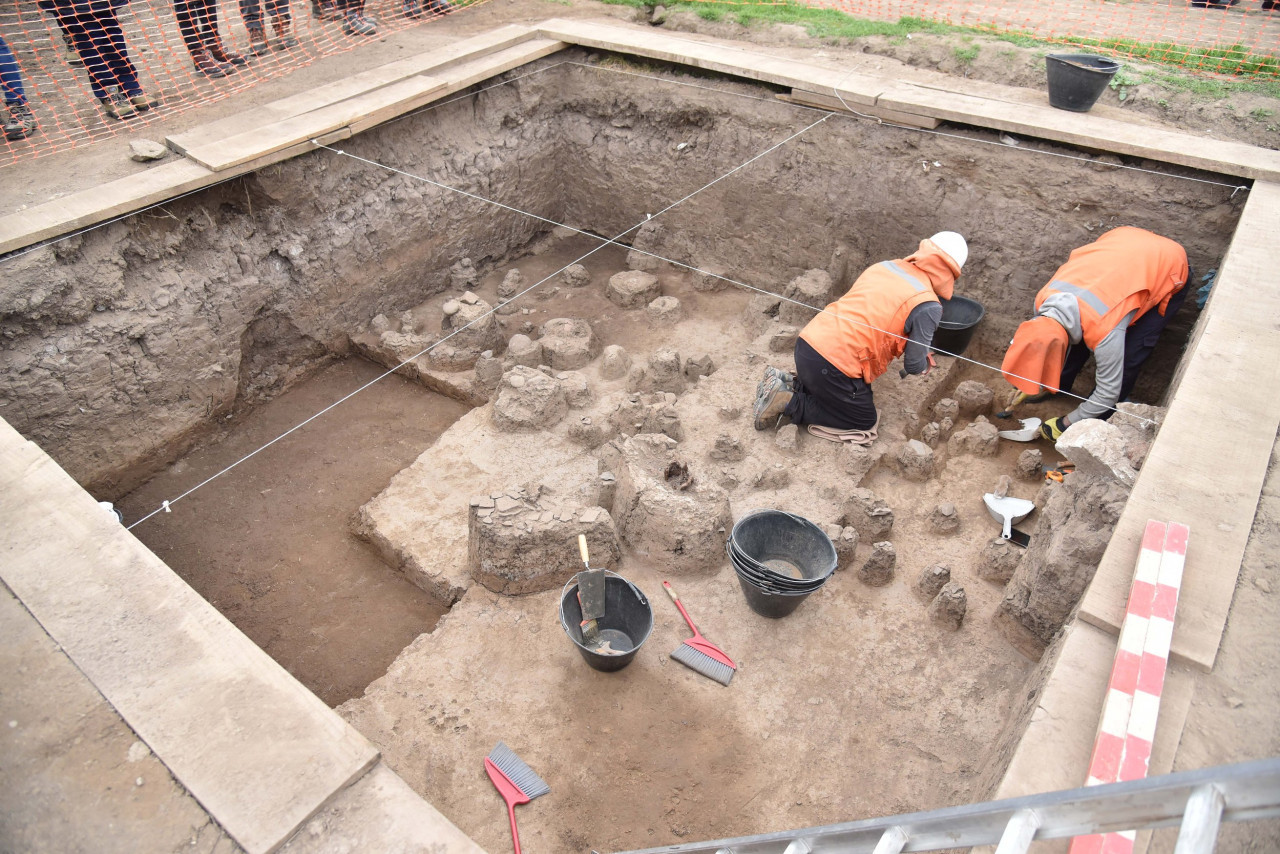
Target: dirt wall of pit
{"x":123,"y":345}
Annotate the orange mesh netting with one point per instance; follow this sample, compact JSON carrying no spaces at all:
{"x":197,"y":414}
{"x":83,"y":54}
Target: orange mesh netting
{"x":71,"y":54}
{"x":153,"y":59}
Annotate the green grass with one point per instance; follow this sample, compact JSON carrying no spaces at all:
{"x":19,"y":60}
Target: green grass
{"x":966,"y":55}
{"x":1182,"y":61}
{"x":1233,"y":60}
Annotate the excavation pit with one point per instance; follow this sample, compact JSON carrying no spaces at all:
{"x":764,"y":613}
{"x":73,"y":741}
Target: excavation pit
{"x":333,"y":244}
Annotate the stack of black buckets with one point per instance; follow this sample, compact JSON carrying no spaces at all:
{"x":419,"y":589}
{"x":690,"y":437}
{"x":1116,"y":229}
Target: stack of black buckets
{"x":780,"y":559}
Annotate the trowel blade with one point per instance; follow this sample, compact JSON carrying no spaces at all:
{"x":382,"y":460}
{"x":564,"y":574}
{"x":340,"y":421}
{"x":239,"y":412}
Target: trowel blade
{"x":591,"y":593}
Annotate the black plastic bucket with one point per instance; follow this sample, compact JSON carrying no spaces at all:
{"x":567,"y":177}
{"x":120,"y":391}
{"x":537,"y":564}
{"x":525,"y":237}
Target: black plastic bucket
{"x":780,"y":560}
{"x":798,"y":549}
{"x":960,"y":317}
{"x":1076,"y":80}
{"x":626,"y":624}
{"x":765,"y":577}
{"x":768,"y":604}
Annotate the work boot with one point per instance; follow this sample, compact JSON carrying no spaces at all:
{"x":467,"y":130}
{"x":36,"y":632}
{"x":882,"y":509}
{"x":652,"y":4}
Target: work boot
{"x":284,"y":35}
{"x":210,"y":67}
{"x":358,"y":25}
{"x":770,"y":405}
{"x":412,"y":9}
{"x":21,"y":123}
{"x":258,"y":45}
{"x":220,"y":54}
{"x":141,"y":102}
{"x":771,"y":373}
{"x":437,"y":7}
{"x":117,"y":106}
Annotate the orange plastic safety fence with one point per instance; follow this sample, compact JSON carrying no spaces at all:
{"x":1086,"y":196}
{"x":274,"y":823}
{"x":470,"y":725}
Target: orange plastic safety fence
{"x":91,"y":69}
{"x":1184,"y":31}
{"x":1227,"y":37}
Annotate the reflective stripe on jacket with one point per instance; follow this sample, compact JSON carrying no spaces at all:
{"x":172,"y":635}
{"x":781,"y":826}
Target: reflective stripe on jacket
{"x":1127,"y":269}
{"x":851,"y":332}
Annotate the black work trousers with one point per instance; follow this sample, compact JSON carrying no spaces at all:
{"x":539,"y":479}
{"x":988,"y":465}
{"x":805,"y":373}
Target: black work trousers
{"x":825,"y":396}
{"x":1139,"y":340}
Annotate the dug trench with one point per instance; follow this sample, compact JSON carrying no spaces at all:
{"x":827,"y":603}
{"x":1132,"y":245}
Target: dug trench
{"x":128,"y":347}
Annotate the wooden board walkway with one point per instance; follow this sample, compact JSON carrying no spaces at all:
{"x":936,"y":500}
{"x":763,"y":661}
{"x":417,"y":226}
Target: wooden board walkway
{"x":283,"y":129}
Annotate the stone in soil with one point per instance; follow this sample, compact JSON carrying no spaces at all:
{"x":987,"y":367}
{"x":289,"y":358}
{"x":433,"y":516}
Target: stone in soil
{"x":948,"y":608}
{"x":973,"y":398}
{"x":664,"y":311}
{"x":944,"y":519}
{"x":811,"y":291}
{"x":519,"y":541}
{"x":528,"y":400}
{"x":684,"y":529}
{"x":568,"y":343}
{"x":915,"y":461}
{"x":979,"y":439}
{"x":869,"y":514}
{"x":523,"y":350}
{"x":879,"y":568}
{"x":614,"y":363}
{"x":633,"y":289}
{"x":575,"y":276}
{"x":1030,"y":464}
{"x":931,"y":581}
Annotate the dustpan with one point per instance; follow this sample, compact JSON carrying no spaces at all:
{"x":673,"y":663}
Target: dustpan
{"x":1029,"y":429}
{"x":1008,"y":511}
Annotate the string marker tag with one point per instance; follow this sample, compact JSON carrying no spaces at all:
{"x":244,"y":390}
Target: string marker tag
{"x":165,"y":505}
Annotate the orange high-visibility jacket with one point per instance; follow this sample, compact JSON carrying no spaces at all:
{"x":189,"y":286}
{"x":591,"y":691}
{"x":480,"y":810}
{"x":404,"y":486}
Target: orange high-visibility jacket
{"x":1125,"y":269}
{"x":864,"y":330}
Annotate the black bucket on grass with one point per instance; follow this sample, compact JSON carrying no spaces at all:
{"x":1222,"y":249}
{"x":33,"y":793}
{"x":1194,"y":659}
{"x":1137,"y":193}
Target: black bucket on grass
{"x":780,"y":559}
{"x":1076,"y":80}
{"x":625,"y":626}
{"x":960,"y":317}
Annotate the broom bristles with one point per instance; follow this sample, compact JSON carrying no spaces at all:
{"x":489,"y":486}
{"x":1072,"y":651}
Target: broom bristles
{"x":518,"y":772}
{"x":699,"y":661}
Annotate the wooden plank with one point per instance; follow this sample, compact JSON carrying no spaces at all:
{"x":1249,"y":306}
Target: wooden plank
{"x":462,"y":75}
{"x":258,"y":143}
{"x":1086,"y":130}
{"x":831,"y":102}
{"x":349,"y":87}
{"x":101,"y":203}
{"x":1010,"y":114}
{"x":728,"y":59}
{"x":1208,"y":462}
{"x":259,"y":751}
{"x":159,"y":183}
{"x":1053,"y":753}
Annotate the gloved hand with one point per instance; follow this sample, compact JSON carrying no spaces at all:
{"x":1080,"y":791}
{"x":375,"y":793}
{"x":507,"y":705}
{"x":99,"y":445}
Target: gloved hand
{"x":1052,"y":429}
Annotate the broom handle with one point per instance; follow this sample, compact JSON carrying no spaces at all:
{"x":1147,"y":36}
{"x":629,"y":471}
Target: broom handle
{"x":674,"y":598}
{"x":515,"y":834}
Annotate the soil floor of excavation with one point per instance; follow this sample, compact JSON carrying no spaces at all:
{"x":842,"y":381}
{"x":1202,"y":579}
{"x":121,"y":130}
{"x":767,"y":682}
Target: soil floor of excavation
{"x":268,"y":544}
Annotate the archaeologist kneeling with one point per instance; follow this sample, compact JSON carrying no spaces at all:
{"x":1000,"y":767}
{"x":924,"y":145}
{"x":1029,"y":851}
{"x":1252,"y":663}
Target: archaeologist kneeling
{"x":1113,"y":298}
{"x":892,"y":310}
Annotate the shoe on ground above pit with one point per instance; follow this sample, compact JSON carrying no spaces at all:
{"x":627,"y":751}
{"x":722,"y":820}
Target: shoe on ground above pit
{"x":358,"y":25}
{"x":21,"y":122}
{"x":412,"y":9}
{"x":208,"y":66}
{"x":258,"y":44}
{"x":770,"y":405}
{"x":284,"y":35}
{"x":118,"y":107}
{"x":141,"y":102}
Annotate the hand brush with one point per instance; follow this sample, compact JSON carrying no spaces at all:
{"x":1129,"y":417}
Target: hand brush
{"x":515,"y":781}
{"x":698,"y":652}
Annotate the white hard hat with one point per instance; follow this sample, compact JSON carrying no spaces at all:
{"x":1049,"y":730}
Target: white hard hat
{"x":952,"y":244}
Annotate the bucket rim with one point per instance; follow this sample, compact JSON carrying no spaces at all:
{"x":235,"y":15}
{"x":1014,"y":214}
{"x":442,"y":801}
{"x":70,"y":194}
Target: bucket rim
{"x":573,"y":582}
{"x":1109,"y":65}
